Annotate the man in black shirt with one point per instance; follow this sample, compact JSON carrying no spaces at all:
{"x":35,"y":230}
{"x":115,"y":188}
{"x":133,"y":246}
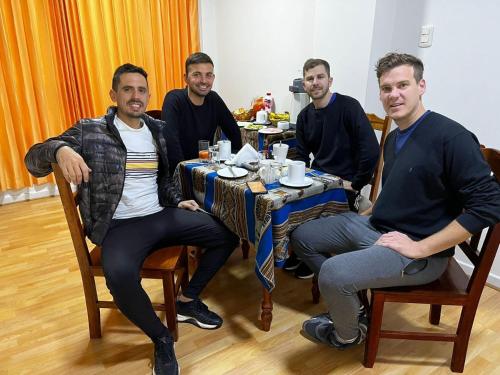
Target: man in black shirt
{"x":437,"y":190}
{"x":335,"y":129}
{"x":196,"y":111}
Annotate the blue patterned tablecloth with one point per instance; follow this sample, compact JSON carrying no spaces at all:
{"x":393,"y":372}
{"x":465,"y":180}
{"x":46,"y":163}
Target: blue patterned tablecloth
{"x":266,"y":220}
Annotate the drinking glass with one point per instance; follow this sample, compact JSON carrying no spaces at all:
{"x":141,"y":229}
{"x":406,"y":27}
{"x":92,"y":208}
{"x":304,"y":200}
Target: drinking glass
{"x":203,"y":153}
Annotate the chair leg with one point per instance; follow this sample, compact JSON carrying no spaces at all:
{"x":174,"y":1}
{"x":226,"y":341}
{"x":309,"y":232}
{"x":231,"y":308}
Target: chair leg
{"x":434,"y":314}
{"x":169,"y":300}
{"x":373,"y":335}
{"x":93,"y":312}
{"x":315,"y":289}
{"x":462,"y":340}
{"x":245,"y":248}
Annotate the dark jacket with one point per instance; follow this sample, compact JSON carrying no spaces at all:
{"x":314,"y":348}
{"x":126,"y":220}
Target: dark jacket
{"x":99,"y":143}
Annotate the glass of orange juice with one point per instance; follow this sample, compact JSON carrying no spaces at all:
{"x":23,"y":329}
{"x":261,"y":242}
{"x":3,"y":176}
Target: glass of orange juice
{"x":203,"y":153}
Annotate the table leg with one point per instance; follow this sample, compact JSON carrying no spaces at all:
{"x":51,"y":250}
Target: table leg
{"x":266,"y":316}
{"x":245,"y":247}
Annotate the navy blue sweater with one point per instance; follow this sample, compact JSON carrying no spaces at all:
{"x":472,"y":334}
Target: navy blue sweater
{"x":439,"y":175}
{"x":341,"y":139}
{"x":193,"y":122}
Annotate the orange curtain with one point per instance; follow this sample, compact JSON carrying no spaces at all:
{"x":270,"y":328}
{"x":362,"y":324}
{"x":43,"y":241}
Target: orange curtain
{"x":57,"y":58}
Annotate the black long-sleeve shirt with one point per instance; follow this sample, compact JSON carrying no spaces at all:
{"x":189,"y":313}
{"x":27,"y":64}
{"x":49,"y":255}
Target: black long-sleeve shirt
{"x":439,"y":175}
{"x":193,"y":122}
{"x":341,"y":139}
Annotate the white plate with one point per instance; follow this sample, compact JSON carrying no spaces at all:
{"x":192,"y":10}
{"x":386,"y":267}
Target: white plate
{"x":232,"y":172}
{"x":307,"y":182}
{"x":271,"y":131}
{"x":242,"y":124}
{"x":254,"y":127}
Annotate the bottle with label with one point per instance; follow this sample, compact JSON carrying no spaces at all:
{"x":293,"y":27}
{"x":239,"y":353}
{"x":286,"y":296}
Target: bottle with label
{"x":269,"y":105}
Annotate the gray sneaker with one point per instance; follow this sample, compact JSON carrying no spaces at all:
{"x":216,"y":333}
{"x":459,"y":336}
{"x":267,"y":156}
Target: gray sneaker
{"x":321,"y":329}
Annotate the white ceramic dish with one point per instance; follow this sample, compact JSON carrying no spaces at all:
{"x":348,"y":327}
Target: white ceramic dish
{"x":307,"y":182}
{"x":232,"y":172}
{"x":242,"y":124}
{"x":270,"y":131}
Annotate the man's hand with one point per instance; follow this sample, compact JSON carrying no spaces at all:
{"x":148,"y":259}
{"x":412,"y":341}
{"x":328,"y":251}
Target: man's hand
{"x":401,"y":243}
{"x":367,"y":212}
{"x":347,"y":185}
{"x":73,"y":166}
{"x":188,"y":205}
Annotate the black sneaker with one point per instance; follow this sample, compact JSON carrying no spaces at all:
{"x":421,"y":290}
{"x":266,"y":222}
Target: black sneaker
{"x":197,"y":313}
{"x":303,"y":271}
{"x":292,"y":263}
{"x":165,"y":361}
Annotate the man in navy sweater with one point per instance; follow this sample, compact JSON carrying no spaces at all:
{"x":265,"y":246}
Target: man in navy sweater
{"x":437,"y":190}
{"x":335,"y":129}
{"x":196,"y":111}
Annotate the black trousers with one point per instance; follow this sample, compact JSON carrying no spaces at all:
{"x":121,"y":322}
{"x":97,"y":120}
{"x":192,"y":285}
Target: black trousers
{"x":129,"y":241}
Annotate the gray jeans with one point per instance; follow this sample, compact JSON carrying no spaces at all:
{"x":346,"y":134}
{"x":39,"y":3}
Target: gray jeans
{"x":358,"y":264}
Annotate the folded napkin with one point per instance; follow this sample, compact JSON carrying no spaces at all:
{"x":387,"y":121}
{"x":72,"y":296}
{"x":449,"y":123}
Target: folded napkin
{"x":245,"y":155}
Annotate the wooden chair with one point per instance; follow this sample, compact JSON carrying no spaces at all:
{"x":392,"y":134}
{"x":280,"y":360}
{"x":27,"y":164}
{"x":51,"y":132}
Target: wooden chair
{"x":163,"y":264}
{"x":154,"y":113}
{"x":454,"y":287}
{"x":382,"y":125}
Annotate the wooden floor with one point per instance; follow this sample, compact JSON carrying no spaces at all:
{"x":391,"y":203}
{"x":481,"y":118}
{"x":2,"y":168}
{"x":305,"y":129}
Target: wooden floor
{"x":44,"y":329}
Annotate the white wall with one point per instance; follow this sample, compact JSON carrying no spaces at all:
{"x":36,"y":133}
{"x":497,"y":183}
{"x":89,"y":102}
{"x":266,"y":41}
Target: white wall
{"x":261,"y":45}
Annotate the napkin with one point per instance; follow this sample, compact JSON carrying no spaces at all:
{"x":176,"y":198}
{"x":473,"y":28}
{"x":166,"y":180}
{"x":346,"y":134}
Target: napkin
{"x":245,"y":155}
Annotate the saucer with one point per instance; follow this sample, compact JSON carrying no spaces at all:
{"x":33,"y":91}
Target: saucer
{"x":262,"y":123}
{"x":270,"y":131}
{"x":232,"y":172}
{"x":307,"y":182}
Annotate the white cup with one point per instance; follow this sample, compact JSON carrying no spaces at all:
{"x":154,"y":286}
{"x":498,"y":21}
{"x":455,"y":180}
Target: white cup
{"x":261,"y":117}
{"x":285,"y":125}
{"x":296,"y":172}
{"x":224,"y":150}
{"x":280,"y":150}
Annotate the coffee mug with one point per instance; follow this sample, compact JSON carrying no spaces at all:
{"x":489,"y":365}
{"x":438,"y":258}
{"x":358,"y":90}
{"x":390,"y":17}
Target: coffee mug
{"x":261,"y":117}
{"x":284,"y":125}
{"x":296,"y":172}
{"x":280,"y":151}
{"x":224,"y":149}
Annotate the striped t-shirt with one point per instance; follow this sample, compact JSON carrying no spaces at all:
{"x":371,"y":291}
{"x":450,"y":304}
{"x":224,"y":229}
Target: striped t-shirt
{"x":140,"y":192}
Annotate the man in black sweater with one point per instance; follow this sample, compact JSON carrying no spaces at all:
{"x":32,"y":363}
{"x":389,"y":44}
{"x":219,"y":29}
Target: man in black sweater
{"x":335,"y":129}
{"x":196,"y":111}
{"x":437,"y":190}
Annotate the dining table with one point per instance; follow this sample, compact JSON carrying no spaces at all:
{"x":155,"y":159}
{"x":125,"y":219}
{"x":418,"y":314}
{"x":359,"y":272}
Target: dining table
{"x":265,"y":220}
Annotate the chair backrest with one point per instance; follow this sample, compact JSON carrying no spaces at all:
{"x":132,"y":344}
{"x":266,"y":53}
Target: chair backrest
{"x":154,"y":113}
{"x":482,"y":257}
{"x":492,"y":157}
{"x":69,"y":203}
{"x":382,"y":125}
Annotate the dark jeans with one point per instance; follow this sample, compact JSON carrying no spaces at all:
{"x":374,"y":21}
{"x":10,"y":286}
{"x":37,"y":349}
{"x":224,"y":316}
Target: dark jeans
{"x":129,"y":241}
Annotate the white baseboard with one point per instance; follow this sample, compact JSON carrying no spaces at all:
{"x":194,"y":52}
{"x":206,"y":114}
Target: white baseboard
{"x":493,"y":280}
{"x":33,"y":192}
